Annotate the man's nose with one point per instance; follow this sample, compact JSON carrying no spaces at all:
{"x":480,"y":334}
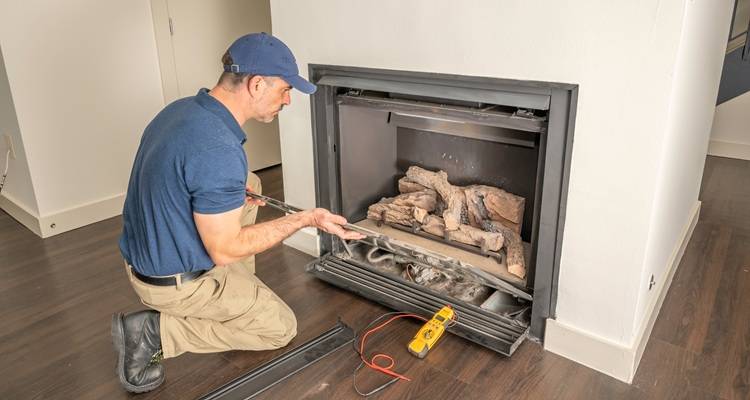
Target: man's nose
{"x":287,"y":99}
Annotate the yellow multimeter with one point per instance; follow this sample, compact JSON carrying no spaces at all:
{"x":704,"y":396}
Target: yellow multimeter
{"x":430,"y":332}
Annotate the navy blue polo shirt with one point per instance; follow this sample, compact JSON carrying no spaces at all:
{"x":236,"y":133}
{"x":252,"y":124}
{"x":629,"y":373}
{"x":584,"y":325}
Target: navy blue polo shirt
{"x":190,"y":160}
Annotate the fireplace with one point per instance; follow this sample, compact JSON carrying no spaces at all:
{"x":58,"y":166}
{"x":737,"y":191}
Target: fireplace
{"x":374,"y":129}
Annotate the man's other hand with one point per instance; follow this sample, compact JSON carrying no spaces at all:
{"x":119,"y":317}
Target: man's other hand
{"x":253,"y":200}
{"x":332,"y":223}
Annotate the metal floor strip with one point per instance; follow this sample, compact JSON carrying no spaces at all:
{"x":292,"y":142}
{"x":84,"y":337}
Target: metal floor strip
{"x":258,"y":380}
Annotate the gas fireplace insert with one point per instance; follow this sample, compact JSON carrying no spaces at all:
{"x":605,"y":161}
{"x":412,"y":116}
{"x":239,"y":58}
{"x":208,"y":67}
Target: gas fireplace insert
{"x":463,"y":182}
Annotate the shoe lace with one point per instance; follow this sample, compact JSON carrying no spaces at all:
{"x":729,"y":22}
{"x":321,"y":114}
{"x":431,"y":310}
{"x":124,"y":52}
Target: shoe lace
{"x":157,"y":357}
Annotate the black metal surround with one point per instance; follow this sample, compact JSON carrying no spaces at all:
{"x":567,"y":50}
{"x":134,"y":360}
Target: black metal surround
{"x":552,"y":172}
{"x":476,"y":324}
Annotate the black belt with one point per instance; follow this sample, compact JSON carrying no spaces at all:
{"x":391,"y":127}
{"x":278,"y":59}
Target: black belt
{"x":167,"y":280}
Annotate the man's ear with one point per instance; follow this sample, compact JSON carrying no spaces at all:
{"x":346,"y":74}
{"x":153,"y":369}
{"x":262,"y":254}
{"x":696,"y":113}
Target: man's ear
{"x":255,"y":85}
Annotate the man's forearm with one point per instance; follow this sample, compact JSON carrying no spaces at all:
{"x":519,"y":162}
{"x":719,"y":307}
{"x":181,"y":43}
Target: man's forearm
{"x":256,"y":238}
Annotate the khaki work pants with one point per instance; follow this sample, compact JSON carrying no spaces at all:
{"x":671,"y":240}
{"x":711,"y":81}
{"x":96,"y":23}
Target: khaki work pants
{"x":227,"y":308}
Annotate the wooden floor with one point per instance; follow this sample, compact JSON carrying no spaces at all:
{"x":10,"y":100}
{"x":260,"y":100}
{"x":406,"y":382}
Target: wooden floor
{"x":57,"y":296}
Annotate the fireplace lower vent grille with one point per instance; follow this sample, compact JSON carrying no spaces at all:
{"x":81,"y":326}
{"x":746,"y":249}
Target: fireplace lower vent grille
{"x":493,"y":331}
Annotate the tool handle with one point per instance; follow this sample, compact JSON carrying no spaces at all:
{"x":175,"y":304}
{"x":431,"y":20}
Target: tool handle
{"x":279,"y":205}
{"x":289,"y":209}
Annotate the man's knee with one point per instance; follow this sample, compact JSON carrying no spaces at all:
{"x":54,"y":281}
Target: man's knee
{"x":254,"y":182}
{"x":250,"y":212}
{"x":285,"y":330}
{"x":273,"y":328}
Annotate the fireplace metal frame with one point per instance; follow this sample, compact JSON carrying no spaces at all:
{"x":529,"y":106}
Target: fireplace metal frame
{"x":553,"y":171}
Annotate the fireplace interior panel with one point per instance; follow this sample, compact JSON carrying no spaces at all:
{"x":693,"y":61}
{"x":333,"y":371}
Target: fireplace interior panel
{"x":367,"y":154}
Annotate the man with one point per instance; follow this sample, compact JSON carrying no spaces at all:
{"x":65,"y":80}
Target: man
{"x":189,"y":235}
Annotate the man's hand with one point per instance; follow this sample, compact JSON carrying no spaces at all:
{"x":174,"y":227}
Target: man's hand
{"x":226,"y":241}
{"x":331,"y":223}
{"x":253,"y":200}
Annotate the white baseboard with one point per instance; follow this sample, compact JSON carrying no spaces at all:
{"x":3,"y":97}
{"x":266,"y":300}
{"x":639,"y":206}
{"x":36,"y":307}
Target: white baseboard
{"x":614,"y":359}
{"x":590,"y":350}
{"x":653,"y":308}
{"x":729,"y":149}
{"x":306,"y":241}
{"x":20,"y":213}
{"x":82,"y":215}
{"x":65,"y":220}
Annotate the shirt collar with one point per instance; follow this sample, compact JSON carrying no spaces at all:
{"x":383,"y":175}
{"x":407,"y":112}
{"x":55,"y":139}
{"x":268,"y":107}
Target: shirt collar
{"x":211,"y":104}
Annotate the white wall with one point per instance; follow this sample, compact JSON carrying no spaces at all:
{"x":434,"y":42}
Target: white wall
{"x":691,"y":112}
{"x":730,"y":136}
{"x":581,"y":44}
{"x":85,"y":81}
{"x":622,"y":54}
{"x":697,"y":73}
{"x":191,"y":57}
{"x":18,"y":188}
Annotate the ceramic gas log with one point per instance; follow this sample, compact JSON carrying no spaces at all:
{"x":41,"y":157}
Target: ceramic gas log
{"x":483,"y":216}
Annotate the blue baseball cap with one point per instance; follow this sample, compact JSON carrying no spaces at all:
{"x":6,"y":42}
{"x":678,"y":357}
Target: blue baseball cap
{"x":263,"y":54}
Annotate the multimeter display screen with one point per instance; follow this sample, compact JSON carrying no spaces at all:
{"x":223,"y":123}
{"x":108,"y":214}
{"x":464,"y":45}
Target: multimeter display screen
{"x":439,"y":318}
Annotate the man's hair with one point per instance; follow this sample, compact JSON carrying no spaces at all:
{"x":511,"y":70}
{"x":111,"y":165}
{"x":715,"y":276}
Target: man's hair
{"x":230,"y":80}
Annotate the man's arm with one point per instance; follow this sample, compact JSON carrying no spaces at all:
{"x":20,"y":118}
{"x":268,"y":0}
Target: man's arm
{"x":227,"y":241}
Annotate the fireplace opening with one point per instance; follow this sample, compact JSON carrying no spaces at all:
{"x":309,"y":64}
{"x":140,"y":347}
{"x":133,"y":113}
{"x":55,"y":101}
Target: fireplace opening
{"x":453,"y":176}
{"x":389,"y":142}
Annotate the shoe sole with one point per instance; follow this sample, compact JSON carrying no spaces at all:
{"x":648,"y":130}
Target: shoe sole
{"x":118,"y":340}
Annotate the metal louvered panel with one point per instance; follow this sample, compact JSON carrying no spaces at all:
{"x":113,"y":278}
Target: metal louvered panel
{"x":491,"y":330}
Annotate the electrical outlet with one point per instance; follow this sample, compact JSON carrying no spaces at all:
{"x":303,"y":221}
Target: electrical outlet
{"x":9,"y":146}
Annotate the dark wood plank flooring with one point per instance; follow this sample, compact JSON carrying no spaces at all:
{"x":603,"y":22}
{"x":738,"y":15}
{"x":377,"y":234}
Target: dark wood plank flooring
{"x":57,"y":296}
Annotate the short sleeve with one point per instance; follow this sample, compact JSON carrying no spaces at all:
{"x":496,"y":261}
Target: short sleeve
{"x":215,"y":179}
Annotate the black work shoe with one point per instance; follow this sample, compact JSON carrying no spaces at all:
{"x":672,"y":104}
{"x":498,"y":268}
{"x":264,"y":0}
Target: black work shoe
{"x":138,"y":345}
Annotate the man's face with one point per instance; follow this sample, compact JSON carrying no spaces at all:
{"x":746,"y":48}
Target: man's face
{"x":272,"y":95}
